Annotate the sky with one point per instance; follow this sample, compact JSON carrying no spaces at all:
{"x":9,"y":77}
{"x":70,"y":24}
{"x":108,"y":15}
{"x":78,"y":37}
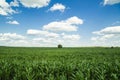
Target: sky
{"x":47,"y":23}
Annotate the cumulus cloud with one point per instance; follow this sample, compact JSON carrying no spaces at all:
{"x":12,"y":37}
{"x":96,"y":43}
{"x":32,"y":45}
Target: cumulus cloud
{"x":10,"y":36}
{"x":13,"y":39}
{"x":38,"y":38}
{"x":13,"y":22}
{"x":71,"y":24}
{"x":50,"y":35}
{"x":5,"y":8}
{"x":46,"y":37}
{"x":109,"y":30}
{"x":58,"y":6}
{"x":42,"y":33}
{"x":34,"y":3}
{"x":111,"y":2}
{"x":14,"y":3}
{"x":107,"y":35}
{"x":44,"y":40}
{"x":103,"y":38}
{"x":72,"y":37}
{"x":62,"y":39}
{"x":51,"y":38}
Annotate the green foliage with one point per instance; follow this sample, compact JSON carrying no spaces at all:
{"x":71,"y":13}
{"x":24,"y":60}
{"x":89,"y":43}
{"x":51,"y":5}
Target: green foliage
{"x":59,"y":64}
{"x":59,"y":46}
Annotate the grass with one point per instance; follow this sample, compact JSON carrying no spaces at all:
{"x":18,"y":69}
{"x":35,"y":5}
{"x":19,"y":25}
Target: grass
{"x":90,"y":63}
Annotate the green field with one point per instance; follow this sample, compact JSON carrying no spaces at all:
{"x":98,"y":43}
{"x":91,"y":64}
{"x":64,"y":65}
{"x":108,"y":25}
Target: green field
{"x":90,"y":63}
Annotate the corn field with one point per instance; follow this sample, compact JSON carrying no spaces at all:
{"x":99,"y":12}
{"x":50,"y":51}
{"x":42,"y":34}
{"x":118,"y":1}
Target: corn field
{"x":89,"y":63}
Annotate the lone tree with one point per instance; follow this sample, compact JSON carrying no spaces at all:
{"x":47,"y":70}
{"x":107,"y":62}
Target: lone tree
{"x":111,"y":47}
{"x":59,"y":46}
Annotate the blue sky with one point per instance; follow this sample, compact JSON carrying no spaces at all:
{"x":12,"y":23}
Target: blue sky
{"x":66,"y":22}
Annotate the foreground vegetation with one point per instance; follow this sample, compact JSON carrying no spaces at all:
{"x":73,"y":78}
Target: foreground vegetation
{"x":59,"y":64}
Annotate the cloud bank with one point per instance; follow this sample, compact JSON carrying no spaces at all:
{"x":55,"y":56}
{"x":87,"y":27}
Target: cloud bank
{"x":108,"y":35}
{"x":50,"y":35}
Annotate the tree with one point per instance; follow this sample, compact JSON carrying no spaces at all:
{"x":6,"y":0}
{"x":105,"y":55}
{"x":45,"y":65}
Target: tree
{"x":59,"y":46}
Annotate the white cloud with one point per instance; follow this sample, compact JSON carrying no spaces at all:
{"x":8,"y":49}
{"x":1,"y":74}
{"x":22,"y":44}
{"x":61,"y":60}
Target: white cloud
{"x":13,"y":22}
{"x":39,"y":38}
{"x":10,"y":36}
{"x":49,"y":38}
{"x":13,"y":39}
{"x":111,"y":2}
{"x":60,"y":26}
{"x":109,"y":30}
{"x":71,"y":37}
{"x":34,"y":3}
{"x":102,"y":38}
{"x":71,"y":24}
{"x":14,"y":3}
{"x":42,"y":33}
{"x":44,"y":40}
{"x":74,"y":20}
{"x":58,"y":6}
{"x":5,"y":8}
{"x":65,"y":40}
{"x":107,"y":36}
{"x":46,"y":37}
